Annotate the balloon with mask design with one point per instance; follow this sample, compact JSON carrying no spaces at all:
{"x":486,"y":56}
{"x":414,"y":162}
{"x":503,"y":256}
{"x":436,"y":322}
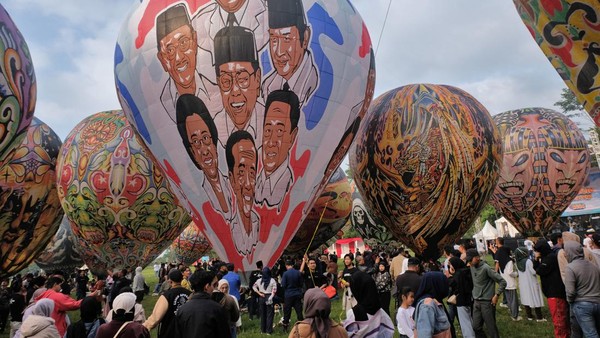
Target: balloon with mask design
{"x":190,"y":245}
{"x":327,"y":216}
{"x":18,"y":86}
{"x":371,"y":229}
{"x":568,"y":32}
{"x":122,"y":209}
{"x":248,"y":106}
{"x":62,"y":253}
{"x":425,"y":161}
{"x":30,"y":211}
{"x":545,"y":163}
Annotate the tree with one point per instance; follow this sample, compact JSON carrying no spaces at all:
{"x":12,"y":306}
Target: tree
{"x":488,"y":213}
{"x":569,"y":104}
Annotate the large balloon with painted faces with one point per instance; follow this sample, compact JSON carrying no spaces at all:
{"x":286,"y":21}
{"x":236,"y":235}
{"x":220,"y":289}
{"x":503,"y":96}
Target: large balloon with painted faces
{"x":190,"y":245}
{"x":62,"y":253}
{"x":327,"y":216}
{"x":568,"y":32}
{"x":118,"y":201}
{"x":18,"y":86}
{"x":248,"y":106}
{"x":370,"y":228}
{"x":30,"y":211}
{"x":545,"y":163}
{"x":425,"y":161}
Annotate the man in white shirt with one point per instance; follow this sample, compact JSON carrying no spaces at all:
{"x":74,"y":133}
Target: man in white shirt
{"x":280,"y":130}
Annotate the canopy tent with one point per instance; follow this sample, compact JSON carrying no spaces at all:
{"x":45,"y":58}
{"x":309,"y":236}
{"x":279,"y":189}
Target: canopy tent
{"x":347,"y":245}
{"x":587,"y":200}
{"x":505,"y":228}
{"x":488,"y":233}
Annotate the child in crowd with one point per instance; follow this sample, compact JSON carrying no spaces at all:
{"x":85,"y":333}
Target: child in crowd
{"x":404,"y":318}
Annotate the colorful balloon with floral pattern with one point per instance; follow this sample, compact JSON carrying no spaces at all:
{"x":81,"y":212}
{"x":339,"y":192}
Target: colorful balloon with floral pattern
{"x":120,"y":204}
{"x":18,"y":86}
{"x":248,"y":106}
{"x":425,"y":161}
{"x":545,"y":163}
{"x":568,"y":32}
{"x":30,"y":212}
{"x":190,"y":245}
{"x":62,"y":253}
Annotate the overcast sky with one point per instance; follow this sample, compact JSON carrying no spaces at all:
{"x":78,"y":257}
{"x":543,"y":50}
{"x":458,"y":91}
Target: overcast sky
{"x":479,"y":46}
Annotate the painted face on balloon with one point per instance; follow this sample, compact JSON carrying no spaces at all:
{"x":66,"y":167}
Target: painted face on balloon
{"x":154,"y":214}
{"x":231,"y":6}
{"x":286,"y":49}
{"x":201,"y":142}
{"x":278,"y":136}
{"x":244,"y":175}
{"x":177,"y":55}
{"x":359,"y":215}
{"x":83,"y":210}
{"x":566,"y":166}
{"x":239,"y":84}
{"x":517,"y":173}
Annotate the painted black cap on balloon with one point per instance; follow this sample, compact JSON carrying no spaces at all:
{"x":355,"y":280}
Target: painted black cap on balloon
{"x":235,"y":44}
{"x":286,"y":13}
{"x":171,"y":19}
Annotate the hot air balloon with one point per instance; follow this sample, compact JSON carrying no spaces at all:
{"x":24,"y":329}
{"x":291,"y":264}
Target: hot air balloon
{"x":371,"y":229}
{"x":243,"y":113}
{"x":568,"y":33}
{"x":190,"y":245}
{"x":426,"y":160}
{"x":545,"y":163}
{"x":327,"y":216}
{"x":118,"y":201}
{"x":18,"y":87}
{"x":30,"y":211}
{"x":62,"y":253}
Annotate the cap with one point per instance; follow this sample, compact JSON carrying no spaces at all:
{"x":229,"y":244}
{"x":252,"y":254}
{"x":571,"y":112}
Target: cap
{"x":472,"y":253}
{"x":124,"y":301}
{"x":590,"y":231}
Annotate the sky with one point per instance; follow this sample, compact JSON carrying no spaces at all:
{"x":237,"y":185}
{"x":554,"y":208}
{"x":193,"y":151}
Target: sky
{"x":481,"y":47}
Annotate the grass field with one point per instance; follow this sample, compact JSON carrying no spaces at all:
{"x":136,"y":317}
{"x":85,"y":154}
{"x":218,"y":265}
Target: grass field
{"x":251,"y":329}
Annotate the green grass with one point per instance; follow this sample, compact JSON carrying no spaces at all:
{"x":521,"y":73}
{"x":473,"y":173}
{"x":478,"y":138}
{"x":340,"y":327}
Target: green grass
{"x":251,"y":329}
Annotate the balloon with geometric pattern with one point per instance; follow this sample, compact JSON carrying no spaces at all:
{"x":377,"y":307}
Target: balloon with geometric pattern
{"x":190,"y":245}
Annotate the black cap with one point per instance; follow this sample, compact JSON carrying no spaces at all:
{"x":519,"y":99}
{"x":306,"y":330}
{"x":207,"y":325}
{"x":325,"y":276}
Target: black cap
{"x":171,"y":19}
{"x":472,"y":253}
{"x":235,"y":44}
{"x":286,"y":13}
{"x":175,"y":275}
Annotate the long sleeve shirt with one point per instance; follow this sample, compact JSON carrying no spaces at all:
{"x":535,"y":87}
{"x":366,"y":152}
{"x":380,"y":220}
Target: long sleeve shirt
{"x":484,"y":279}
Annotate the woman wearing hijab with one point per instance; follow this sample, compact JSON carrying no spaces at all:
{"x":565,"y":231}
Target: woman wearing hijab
{"x":122,"y":324}
{"x":87,"y":326}
{"x":529,"y":288}
{"x":39,"y":324}
{"x":229,"y":303}
{"x":139,"y":283}
{"x":266,"y":287}
{"x":462,"y":287}
{"x":316,"y":323}
{"x":367,"y":318}
{"x":430,"y":316}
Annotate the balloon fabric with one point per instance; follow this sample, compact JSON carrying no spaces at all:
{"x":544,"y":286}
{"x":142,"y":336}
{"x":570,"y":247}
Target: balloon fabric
{"x":248,"y":107}
{"x":426,"y":160}
{"x":190,"y":245}
{"x":545,"y":163}
{"x":62,"y":253}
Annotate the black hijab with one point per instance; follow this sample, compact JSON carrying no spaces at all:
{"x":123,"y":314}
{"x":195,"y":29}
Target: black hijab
{"x":433,"y":285}
{"x":90,"y":309}
{"x":365,"y":292}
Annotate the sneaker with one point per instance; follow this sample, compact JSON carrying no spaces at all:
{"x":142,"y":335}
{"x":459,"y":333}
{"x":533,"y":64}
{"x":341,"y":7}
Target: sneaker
{"x":528,"y":318}
{"x":518,"y":319}
{"x":503,"y":305}
{"x":541,"y":320}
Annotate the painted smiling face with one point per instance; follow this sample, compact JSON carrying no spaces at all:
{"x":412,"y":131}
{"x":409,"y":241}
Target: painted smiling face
{"x":177,"y":54}
{"x":244,"y":175}
{"x":278,"y":136}
{"x":287,"y":51}
{"x":201,"y":142}
{"x":239,"y":84}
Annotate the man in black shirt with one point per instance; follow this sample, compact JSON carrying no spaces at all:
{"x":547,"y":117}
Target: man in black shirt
{"x":312,"y":277}
{"x":167,"y":305}
{"x":253,"y":302}
{"x":411,"y":277}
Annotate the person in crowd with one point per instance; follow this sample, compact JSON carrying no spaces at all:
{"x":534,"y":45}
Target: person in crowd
{"x":139,"y":283}
{"x":430,"y":315}
{"x":82,"y":281}
{"x":317,"y":324}
{"x":529,"y":288}
{"x":502,"y":255}
{"x":266,"y":287}
{"x":462,"y":286}
{"x":90,"y":320}
{"x":201,"y":316}
{"x":397,"y":266}
{"x":404,"y":317}
{"x":139,"y":314}
{"x":510,"y":274}
{"x":5,"y":296}
{"x":167,"y":305}
{"x":62,"y":303}
{"x":29,"y":309}
{"x":582,"y":286}
{"x":253,"y":301}
{"x":120,"y":281}
{"x":122,"y":324}
{"x":17,"y":306}
{"x":367,"y":316}
{"x":485,"y":295}
{"x":595,"y":247}
{"x":383,"y":281}
{"x":331,"y":276}
{"x":186,"y":272}
{"x":345,"y":277}
{"x":234,"y":281}
{"x":37,"y":283}
{"x":312,"y":278}
{"x":411,"y":276}
{"x":40,"y":324}
{"x":291,"y":282}
{"x":546,"y":266}
{"x":229,"y":303}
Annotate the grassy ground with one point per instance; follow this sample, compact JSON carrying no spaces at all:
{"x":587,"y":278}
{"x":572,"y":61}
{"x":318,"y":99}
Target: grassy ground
{"x":251,"y":329}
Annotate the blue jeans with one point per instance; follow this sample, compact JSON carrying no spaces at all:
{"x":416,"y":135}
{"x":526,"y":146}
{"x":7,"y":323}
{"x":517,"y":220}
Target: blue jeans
{"x":588,"y":315}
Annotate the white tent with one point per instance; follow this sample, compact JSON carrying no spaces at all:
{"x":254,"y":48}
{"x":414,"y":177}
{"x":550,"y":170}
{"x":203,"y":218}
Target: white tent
{"x":488,"y":233}
{"x":505,"y":228}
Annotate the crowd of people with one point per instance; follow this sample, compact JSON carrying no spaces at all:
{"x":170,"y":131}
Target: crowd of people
{"x":380,"y":294}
